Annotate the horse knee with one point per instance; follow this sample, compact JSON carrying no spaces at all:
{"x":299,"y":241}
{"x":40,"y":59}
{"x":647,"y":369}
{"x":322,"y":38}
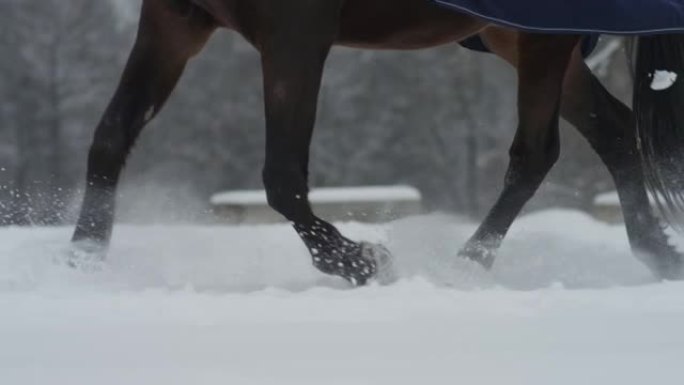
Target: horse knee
{"x":549,"y":158}
{"x":538,"y":155}
{"x":286,"y":193}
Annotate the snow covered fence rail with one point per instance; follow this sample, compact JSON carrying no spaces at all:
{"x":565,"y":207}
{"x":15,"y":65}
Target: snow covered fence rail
{"x":365,"y":204}
{"x":607,"y":207}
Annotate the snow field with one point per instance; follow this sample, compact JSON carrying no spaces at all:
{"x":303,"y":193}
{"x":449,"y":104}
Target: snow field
{"x":565,"y":304}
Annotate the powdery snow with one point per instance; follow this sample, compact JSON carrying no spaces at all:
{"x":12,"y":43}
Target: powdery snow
{"x":566,"y":304}
{"x":663,"y":80}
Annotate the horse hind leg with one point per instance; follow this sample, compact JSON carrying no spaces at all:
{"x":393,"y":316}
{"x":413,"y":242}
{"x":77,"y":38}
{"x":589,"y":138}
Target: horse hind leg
{"x":608,"y":125}
{"x":542,"y":63}
{"x":293,"y":57}
{"x":168,"y":36}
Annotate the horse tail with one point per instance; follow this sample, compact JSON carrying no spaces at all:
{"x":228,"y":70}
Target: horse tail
{"x":658,"y":69}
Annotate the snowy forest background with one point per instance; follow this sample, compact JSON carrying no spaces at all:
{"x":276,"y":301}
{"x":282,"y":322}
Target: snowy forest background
{"x":440,"y":120}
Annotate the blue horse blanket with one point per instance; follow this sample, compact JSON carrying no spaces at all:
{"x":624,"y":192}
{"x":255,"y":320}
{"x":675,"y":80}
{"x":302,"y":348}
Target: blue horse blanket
{"x":618,"y":17}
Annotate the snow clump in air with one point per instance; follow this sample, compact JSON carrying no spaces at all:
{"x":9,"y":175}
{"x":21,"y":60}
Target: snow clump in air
{"x":663,"y":80}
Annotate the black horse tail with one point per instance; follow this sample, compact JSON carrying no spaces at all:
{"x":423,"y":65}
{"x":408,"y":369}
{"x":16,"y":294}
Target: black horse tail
{"x":659,"y":111}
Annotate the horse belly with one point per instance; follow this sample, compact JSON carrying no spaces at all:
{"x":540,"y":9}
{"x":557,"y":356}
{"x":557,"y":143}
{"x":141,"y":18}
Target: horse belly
{"x":219,"y":10}
{"x":407,"y":24}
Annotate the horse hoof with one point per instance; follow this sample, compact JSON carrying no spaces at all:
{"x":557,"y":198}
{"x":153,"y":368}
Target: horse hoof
{"x":666,"y":263}
{"x":86,"y":256}
{"x":358,"y":263}
{"x":662,"y":258}
{"x":385,"y":271}
{"x":479,"y":253}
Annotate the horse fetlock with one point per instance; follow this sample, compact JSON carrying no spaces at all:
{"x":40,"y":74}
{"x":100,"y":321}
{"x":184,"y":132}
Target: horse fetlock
{"x":336,"y":255}
{"x":358,"y":263}
{"x":346,"y":262}
{"x":95,"y":222}
{"x":92,"y":230}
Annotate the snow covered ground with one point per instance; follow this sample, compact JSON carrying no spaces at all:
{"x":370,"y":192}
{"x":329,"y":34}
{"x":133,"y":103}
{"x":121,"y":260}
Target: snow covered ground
{"x":565,"y":304}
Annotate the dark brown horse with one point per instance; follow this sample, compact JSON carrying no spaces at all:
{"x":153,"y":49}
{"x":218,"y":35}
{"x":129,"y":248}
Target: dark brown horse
{"x":294,"y":38}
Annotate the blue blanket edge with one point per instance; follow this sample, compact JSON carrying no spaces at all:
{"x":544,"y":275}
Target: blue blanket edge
{"x":475,"y":43}
{"x":565,"y":30}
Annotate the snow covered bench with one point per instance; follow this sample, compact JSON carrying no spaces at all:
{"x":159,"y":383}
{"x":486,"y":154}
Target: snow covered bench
{"x":365,"y":204}
{"x":608,"y":209}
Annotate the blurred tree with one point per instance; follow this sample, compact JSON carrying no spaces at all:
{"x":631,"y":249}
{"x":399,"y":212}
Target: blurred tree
{"x":59,"y":64}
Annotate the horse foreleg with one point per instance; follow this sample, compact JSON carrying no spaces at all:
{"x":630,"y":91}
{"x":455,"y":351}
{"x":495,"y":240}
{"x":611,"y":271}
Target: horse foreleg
{"x":542,"y":63}
{"x":608,"y":126}
{"x":293,"y":57}
{"x":167,"y":38}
